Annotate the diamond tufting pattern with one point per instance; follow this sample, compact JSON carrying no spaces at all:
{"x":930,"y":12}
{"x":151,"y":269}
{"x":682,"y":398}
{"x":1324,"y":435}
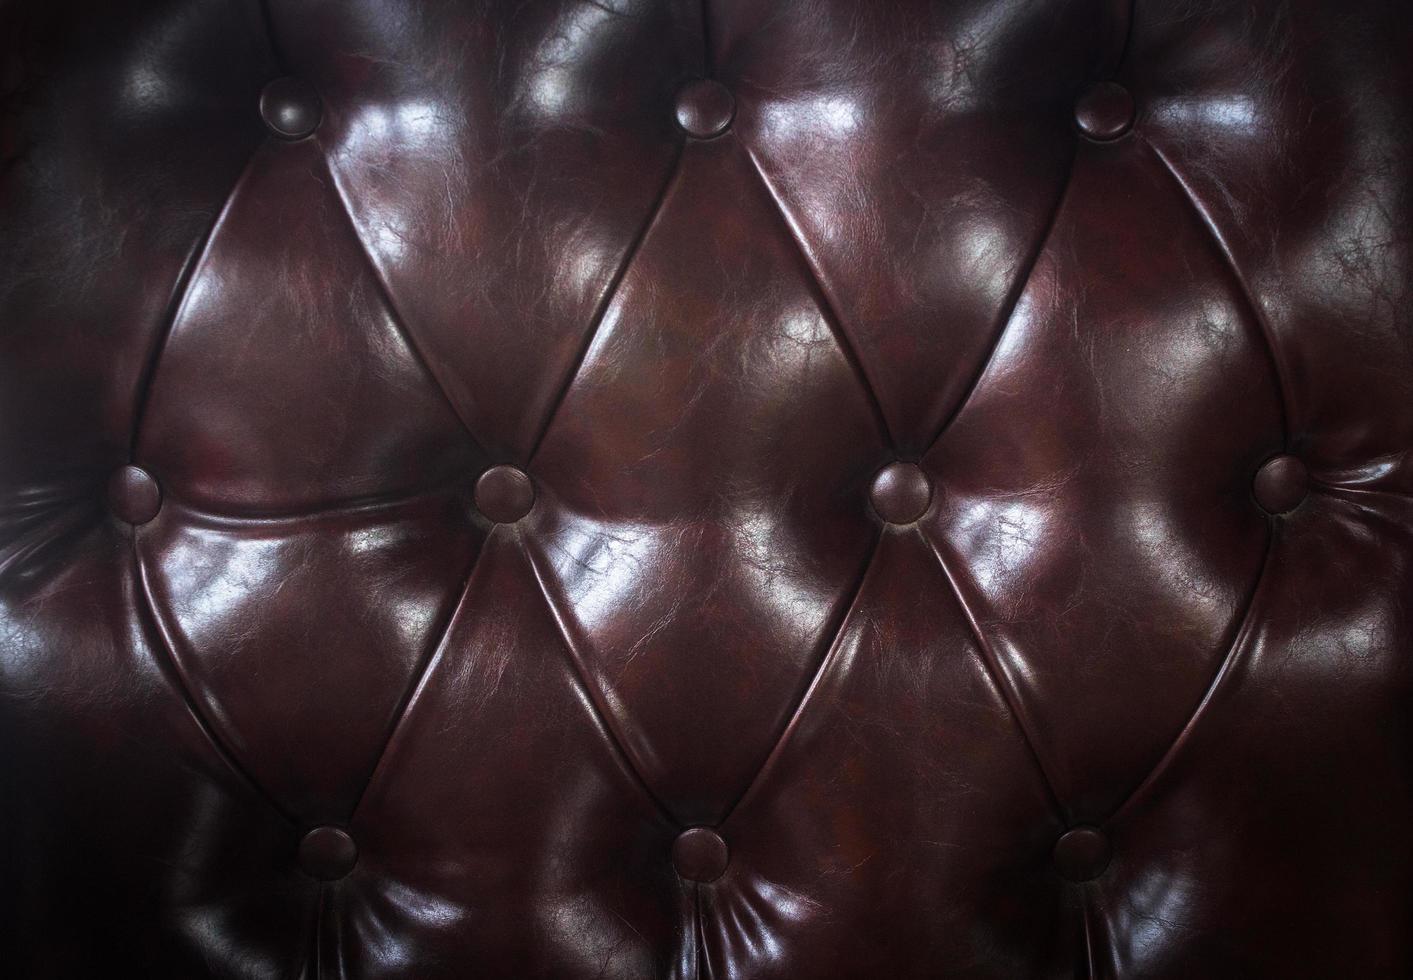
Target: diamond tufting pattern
{"x":662,"y":489}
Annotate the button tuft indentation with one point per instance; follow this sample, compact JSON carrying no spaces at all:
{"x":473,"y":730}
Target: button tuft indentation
{"x":504,"y":494}
{"x":901,"y":493}
{"x":1082,"y":854}
{"x":705,"y":108}
{"x":291,"y":108}
{"x":1281,"y":484}
{"x":133,"y":495}
{"x":699,"y":854}
{"x":327,"y":853}
{"x":1104,"y":112}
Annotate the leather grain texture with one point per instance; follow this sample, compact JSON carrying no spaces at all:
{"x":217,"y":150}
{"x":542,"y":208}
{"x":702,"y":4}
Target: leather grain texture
{"x":663,"y":489}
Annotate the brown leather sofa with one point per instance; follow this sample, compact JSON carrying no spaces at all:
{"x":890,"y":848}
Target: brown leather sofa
{"x":651,"y":489}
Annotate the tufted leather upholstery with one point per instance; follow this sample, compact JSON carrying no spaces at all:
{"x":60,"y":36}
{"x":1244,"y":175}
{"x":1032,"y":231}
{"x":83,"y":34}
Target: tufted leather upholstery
{"x":802,"y":489}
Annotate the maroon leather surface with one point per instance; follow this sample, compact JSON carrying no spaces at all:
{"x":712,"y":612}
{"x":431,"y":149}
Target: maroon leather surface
{"x":647,"y":489}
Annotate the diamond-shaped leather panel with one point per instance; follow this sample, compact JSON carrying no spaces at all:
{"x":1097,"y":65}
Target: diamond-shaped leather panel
{"x":663,"y":489}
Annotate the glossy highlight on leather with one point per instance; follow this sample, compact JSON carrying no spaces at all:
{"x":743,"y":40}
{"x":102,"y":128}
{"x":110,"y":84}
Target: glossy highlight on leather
{"x":664,"y":490}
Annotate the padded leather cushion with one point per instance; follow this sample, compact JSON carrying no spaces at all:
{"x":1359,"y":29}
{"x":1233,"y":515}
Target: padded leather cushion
{"x":647,"y":488}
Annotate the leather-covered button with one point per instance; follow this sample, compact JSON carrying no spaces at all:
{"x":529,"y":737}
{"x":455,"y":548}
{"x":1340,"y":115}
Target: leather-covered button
{"x":1281,"y":484}
{"x":1104,"y":112}
{"x":705,"y":108}
{"x":291,"y":108}
{"x":699,"y":854}
{"x":901,"y":493}
{"x":504,"y":494}
{"x":327,"y":853}
{"x":1082,"y":854}
{"x":133,"y":495}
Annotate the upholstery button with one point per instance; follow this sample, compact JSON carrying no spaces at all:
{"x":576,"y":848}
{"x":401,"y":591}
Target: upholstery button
{"x":133,"y":495}
{"x":504,"y":494}
{"x":1082,"y":854}
{"x":901,"y":493}
{"x":704,"y":108}
{"x":1105,"y":112}
{"x":699,"y":854}
{"x":291,"y":108}
{"x":327,"y":853}
{"x":1281,"y":484}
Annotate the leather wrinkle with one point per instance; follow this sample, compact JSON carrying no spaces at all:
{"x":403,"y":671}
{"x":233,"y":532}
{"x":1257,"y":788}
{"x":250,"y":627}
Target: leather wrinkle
{"x":701,"y":955}
{"x":1006,"y":312}
{"x":835,"y":631}
{"x":419,"y":673}
{"x":1008,"y":309}
{"x":1004,"y":683}
{"x":584,"y":677}
{"x":821,"y":297}
{"x":272,"y":38}
{"x":399,"y":323}
{"x":1086,"y":898}
{"x":167,"y":649}
{"x":237,"y":517}
{"x":708,"y":51}
{"x":605,"y":302}
{"x":197,"y":256}
{"x":313,"y":932}
{"x":1253,"y":309}
{"x":1241,"y":638}
{"x":181,"y":293}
